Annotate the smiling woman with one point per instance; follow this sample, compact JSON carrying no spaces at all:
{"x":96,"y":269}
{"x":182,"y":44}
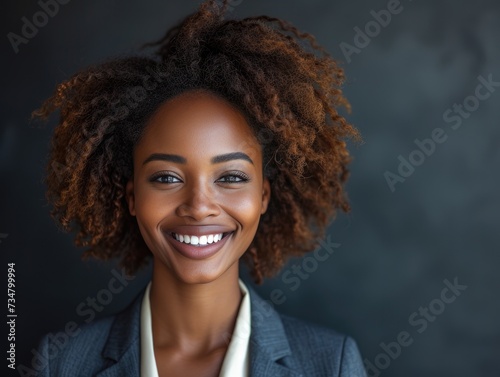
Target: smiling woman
{"x":237,"y":152}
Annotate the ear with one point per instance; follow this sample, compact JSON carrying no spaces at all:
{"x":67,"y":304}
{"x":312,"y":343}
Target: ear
{"x":266,"y":195}
{"x":129,"y":193}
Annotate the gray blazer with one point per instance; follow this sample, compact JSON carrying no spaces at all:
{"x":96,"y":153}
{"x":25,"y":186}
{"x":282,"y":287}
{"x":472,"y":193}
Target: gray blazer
{"x":280,"y":346}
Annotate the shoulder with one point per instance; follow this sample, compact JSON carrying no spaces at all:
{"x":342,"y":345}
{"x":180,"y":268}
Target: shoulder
{"x":311,"y":334}
{"x":306,"y":348}
{"x":324,"y":347}
{"x":74,"y":351}
{"x":88,"y":348}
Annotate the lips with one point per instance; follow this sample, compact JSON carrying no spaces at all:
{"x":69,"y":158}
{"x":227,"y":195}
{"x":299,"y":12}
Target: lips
{"x":198,"y":242}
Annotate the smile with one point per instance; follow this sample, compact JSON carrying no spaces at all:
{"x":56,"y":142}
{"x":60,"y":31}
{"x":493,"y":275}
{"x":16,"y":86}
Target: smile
{"x":199,"y":246}
{"x":199,"y":240}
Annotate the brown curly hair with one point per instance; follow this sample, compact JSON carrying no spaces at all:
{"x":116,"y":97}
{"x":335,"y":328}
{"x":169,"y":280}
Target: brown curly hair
{"x":288,"y":87}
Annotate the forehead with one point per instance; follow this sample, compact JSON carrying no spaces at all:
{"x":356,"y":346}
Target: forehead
{"x":198,"y":121}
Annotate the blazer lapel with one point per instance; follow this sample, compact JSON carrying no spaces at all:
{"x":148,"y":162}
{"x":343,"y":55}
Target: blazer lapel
{"x":270,"y":353}
{"x":122,"y":350}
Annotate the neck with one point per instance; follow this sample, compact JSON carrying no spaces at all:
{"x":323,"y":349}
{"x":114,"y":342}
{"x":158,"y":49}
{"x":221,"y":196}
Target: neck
{"x":193,"y":317}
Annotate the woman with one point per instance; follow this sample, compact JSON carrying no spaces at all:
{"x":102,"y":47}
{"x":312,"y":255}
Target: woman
{"x":225,"y":146}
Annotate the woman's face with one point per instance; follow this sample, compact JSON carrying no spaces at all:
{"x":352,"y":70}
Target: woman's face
{"x":197,"y":176}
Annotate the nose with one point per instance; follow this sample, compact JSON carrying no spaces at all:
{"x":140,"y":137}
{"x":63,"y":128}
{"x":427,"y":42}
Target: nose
{"x":198,"y":203}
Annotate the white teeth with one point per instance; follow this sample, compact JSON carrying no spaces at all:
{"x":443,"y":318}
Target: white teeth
{"x":195,"y":240}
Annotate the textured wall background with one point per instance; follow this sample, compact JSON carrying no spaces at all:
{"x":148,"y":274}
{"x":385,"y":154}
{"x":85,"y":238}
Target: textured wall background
{"x":439,"y":221}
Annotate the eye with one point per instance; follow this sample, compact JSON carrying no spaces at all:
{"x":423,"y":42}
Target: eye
{"x":164,"y":177}
{"x":234,"y":177}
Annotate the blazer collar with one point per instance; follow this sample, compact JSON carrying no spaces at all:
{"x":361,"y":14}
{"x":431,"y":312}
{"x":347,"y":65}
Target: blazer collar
{"x":122,"y":350}
{"x":270,"y":353}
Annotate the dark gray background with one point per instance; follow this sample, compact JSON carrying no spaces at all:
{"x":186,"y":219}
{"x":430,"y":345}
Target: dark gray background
{"x":397,"y":247}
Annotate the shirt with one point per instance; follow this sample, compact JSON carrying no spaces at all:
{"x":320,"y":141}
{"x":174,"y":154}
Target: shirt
{"x":236,"y":360}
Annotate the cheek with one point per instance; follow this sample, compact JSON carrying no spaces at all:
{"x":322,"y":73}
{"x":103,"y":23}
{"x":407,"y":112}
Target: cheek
{"x":149,"y":213}
{"x":245,"y":208}
{"x":150,"y":208}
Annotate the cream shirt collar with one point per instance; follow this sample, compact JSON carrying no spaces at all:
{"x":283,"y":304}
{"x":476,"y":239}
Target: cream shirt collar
{"x":236,"y":361}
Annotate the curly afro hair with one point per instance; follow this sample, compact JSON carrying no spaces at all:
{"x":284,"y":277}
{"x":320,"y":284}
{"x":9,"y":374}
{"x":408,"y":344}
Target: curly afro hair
{"x":287,"y":86}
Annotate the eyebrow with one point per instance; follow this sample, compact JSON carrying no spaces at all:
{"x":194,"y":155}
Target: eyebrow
{"x":165,"y":157}
{"x":231,"y":156}
{"x":214,"y":160}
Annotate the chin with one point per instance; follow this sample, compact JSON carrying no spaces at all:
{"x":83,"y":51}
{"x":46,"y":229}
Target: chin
{"x":198,"y":277}
{"x":196,"y":271}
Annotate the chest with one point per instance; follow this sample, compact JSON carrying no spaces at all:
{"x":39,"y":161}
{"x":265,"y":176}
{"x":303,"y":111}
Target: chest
{"x":171,"y":363}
